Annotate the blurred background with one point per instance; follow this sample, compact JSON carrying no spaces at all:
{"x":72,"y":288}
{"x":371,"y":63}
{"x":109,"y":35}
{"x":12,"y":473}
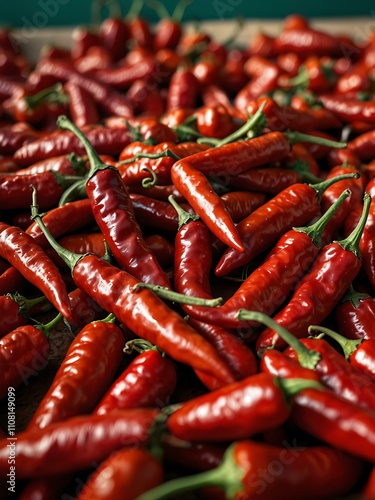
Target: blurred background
{"x":47,"y":13}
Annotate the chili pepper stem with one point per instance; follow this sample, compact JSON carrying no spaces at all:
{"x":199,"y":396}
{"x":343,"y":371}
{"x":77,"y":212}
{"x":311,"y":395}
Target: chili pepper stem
{"x":347,"y":345}
{"x":183,"y":216}
{"x":322,"y":186}
{"x":54,"y":93}
{"x":306,"y":357}
{"x":354,"y":297}
{"x":149,"y":182}
{"x":295,"y":136}
{"x":315,"y":230}
{"x":167,"y":294}
{"x":167,"y":153}
{"x":25,"y":304}
{"x":68,"y":257}
{"x":140,"y":345}
{"x":254,"y":122}
{"x":227,"y":476}
{"x":351,"y":243}
{"x":46,"y":329}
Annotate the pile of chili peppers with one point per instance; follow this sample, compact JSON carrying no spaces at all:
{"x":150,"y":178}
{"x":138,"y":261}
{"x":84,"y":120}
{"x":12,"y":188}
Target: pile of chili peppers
{"x":196,"y":220}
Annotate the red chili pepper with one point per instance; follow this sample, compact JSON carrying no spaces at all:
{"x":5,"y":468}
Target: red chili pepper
{"x":132,"y":470}
{"x":215,"y":122}
{"x":246,"y":472}
{"x":315,"y":297}
{"x":114,"y":34}
{"x":363,"y":146}
{"x":277,"y":364}
{"x":359,"y":352}
{"x":96,"y":58}
{"x":82,"y":107}
{"x":307,"y":41}
{"x":12,"y":281}
{"x":156,"y":193}
{"x":122,"y":77}
{"x":213,"y":95}
{"x":146,"y":100}
{"x":355,"y":315}
{"x":8,"y":165}
{"x":256,"y":403}
{"x":113,"y":212}
{"x":23,"y":353}
{"x":242,"y":203}
{"x":79,"y":243}
{"x":150,"y":130}
{"x":83,"y":39}
{"x":27,"y":256}
{"x":107,"y":141}
{"x":78,"y":442}
{"x":192,"y":456}
{"x":183,"y":90}
{"x":14,"y":311}
{"x":85,"y":310}
{"x":349,"y":110}
{"x":162,"y":248}
{"x":147,"y":382}
{"x":140,"y":32}
{"x":295,"y":206}
{"x":314,"y":75}
{"x":70,"y":164}
{"x":155,"y":214}
{"x":353,"y":80}
{"x":15,"y":189}
{"x":207,"y":70}
{"x":169,"y":29}
{"x":142,"y":311}
{"x":11,"y":139}
{"x":83,"y":376}
{"x":271,"y":180}
{"x":299,"y":155}
{"x":344,"y":156}
{"x":268,"y":285}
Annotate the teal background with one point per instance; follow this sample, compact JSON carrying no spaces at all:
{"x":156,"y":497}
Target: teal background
{"x":46,"y":13}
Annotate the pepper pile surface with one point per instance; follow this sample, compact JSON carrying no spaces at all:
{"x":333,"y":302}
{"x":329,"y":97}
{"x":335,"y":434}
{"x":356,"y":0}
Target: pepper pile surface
{"x":202,"y":234}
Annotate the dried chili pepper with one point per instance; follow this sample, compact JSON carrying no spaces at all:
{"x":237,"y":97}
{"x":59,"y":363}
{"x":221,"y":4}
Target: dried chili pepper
{"x":355,"y":315}
{"x":141,"y":311}
{"x":24,"y":352}
{"x":315,"y":296}
{"x":114,"y":215}
{"x":132,"y":470}
{"x":31,"y":261}
{"x":147,"y":382}
{"x":76,"y":443}
{"x":245,"y":473}
{"x":84,"y":374}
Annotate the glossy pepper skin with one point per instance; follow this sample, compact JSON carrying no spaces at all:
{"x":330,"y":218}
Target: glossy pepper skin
{"x":23,"y":353}
{"x":11,"y":315}
{"x":321,"y":289}
{"x":236,"y":411}
{"x":31,"y":261}
{"x":76,"y":443}
{"x":148,"y":381}
{"x":83,"y":376}
{"x":114,"y":215}
{"x":133,"y":471}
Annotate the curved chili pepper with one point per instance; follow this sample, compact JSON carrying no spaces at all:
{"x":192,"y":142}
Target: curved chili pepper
{"x":15,"y":189}
{"x":154,"y":213}
{"x":307,"y":41}
{"x":148,"y":381}
{"x":278,"y":364}
{"x":78,"y":442}
{"x":108,"y":141}
{"x":241,"y":203}
{"x":155,"y":193}
{"x":294,"y":206}
{"x":14,"y":310}
{"x":355,"y":315}
{"x":363,"y":146}
{"x":12,"y":281}
{"x":315,"y":297}
{"x":23,"y":353}
{"x":82,"y":107}
{"x":114,"y":215}
{"x":245,"y":472}
{"x":122,"y":77}
{"x":79,"y":243}
{"x":162,"y":248}
{"x":183,"y":90}
{"x":31,"y":261}
{"x":132,"y":470}
{"x":85,"y":310}
{"x":142,"y":312}
{"x":83,"y":376}
{"x":269,"y":285}
{"x":236,"y":411}
{"x":12,"y":139}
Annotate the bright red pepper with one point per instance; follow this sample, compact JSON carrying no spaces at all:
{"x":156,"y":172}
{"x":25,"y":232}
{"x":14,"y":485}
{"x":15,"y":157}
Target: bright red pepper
{"x":132,"y":470}
{"x":14,"y":311}
{"x":355,"y":315}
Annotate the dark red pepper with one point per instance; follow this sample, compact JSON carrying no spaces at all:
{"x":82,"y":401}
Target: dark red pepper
{"x":14,"y":311}
{"x":355,"y":315}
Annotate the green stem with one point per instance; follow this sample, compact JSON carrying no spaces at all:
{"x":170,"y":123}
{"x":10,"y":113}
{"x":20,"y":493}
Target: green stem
{"x":252,"y":123}
{"x":135,"y":9}
{"x":292,"y":386}
{"x":149,"y":182}
{"x":228,"y":475}
{"x":301,"y":80}
{"x":25,"y":304}
{"x":96,"y":163}
{"x":295,"y":136}
{"x":51,"y":94}
{"x":351,"y":243}
{"x":322,"y":186}
{"x":78,"y":164}
{"x":140,"y":345}
{"x":354,"y":297}
{"x":76,"y":191}
{"x":167,"y":294}
{"x":65,"y":180}
{"x":306,"y":357}
{"x":179,"y":11}
{"x":183,"y":216}
{"x":159,"y":8}
{"x":347,"y":345}
{"x":46,"y":329}
{"x":154,"y":156}
{"x":70,"y":258}
{"x":315,"y":231}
